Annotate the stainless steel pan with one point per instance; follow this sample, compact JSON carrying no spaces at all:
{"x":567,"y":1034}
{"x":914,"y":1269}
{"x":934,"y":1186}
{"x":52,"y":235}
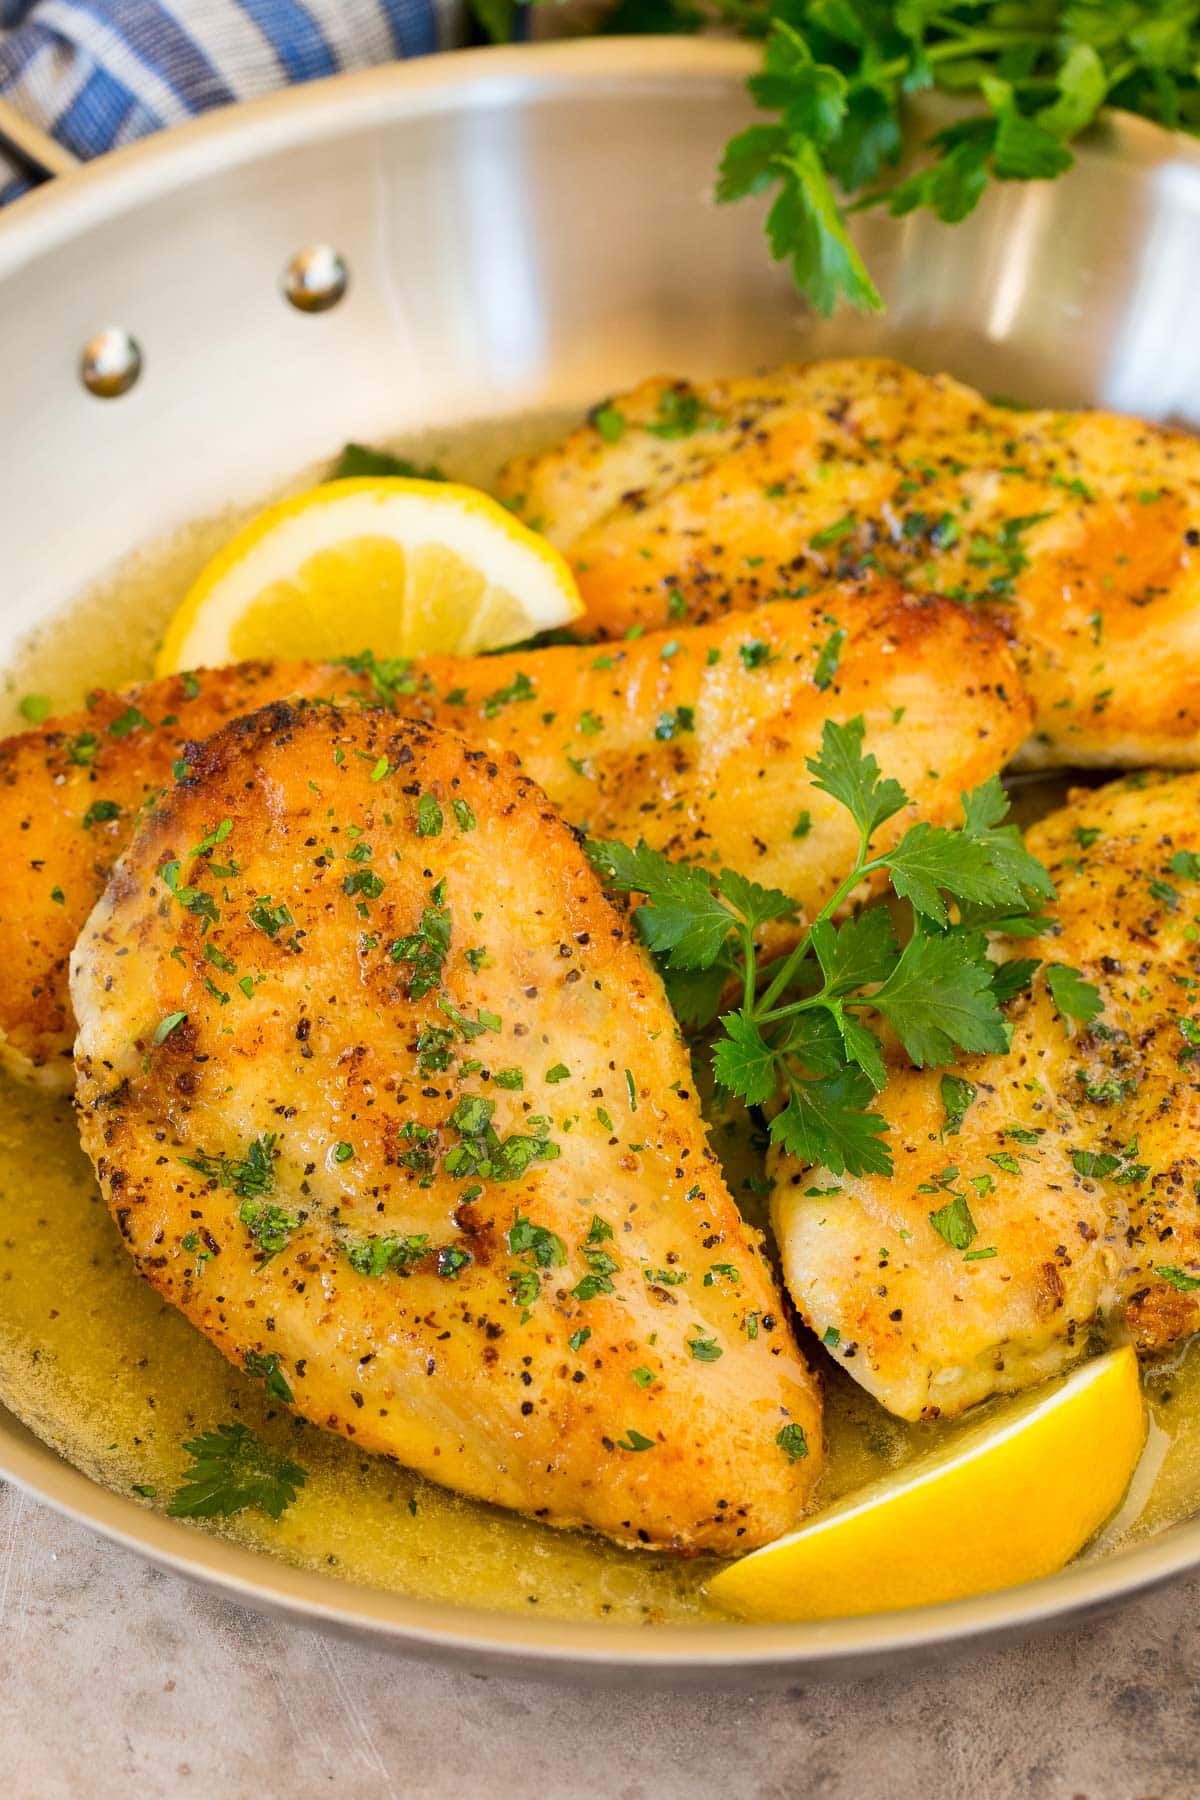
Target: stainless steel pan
{"x":522,"y":229}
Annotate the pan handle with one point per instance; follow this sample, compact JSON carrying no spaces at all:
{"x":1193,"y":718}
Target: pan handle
{"x":35,"y":150}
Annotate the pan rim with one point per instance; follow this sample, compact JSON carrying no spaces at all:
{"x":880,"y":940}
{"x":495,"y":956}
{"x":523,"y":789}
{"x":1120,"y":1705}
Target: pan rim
{"x":698,"y":1655}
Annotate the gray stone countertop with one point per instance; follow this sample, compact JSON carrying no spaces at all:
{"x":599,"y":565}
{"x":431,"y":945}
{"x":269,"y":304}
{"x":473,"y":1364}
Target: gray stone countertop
{"x":116,"y":1680}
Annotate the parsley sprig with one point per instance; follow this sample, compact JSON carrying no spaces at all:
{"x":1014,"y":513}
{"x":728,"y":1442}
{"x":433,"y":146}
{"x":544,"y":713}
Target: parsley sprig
{"x":836,"y":79}
{"x":231,"y":1470}
{"x":807,"y":1029}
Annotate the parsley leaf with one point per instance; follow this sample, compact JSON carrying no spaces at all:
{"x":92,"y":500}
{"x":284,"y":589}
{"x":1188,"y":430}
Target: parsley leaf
{"x":954,"y":1223}
{"x":1073,"y":996}
{"x":357,"y":460}
{"x":682,"y":916}
{"x":826,"y":1121}
{"x":231,"y":1470}
{"x":842,"y":771}
{"x":939,"y":998}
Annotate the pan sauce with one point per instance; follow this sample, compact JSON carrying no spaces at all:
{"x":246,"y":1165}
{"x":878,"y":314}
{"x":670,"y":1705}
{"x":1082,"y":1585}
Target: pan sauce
{"x":101,"y":1368}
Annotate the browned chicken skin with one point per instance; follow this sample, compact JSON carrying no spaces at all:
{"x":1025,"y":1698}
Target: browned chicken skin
{"x":1078,"y":1155}
{"x":696,"y":742}
{"x":378,"y":1084}
{"x":1080,"y":531}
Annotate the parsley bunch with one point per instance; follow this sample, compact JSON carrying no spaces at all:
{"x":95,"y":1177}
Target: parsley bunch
{"x":806,"y":1030}
{"x":837,"y":73}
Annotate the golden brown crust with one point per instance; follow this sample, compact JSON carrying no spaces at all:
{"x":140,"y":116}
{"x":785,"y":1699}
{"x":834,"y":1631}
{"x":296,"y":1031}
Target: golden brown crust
{"x":361,"y":945}
{"x":695,"y":741}
{"x":1081,"y":530}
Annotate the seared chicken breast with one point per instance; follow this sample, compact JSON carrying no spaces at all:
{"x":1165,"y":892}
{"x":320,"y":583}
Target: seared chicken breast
{"x":1080,"y":531}
{"x":384,"y":1096}
{"x":1048,"y":1196}
{"x":696,"y":741}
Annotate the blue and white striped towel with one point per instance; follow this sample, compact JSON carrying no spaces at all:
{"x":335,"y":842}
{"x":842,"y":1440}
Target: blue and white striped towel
{"x":97,"y":74}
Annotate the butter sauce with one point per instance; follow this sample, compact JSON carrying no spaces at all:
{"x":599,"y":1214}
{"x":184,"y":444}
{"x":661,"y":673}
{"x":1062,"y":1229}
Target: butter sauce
{"x":116,"y":1381}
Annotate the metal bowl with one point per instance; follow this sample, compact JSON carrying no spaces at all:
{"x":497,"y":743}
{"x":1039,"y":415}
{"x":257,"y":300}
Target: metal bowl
{"x":515,"y":230}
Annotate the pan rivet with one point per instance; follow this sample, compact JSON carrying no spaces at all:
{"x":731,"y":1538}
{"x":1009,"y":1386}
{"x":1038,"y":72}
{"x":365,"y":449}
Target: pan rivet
{"x":315,"y":279}
{"x":110,"y":363}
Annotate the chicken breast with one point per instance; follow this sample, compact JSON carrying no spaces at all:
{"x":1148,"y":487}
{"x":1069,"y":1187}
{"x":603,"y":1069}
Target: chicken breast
{"x":1079,"y":530}
{"x":696,"y":742}
{"x":379,"y":1087}
{"x":1076,"y":1156}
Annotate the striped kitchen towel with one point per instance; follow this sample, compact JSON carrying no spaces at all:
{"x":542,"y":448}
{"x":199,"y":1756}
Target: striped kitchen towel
{"x":97,"y":74}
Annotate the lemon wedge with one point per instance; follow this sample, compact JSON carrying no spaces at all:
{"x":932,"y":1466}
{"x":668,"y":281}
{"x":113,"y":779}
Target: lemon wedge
{"x":399,"y":567}
{"x":1011,"y":1497}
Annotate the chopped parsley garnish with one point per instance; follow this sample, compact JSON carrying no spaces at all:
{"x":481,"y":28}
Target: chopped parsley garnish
{"x":249,"y":1176}
{"x":481,"y":1153}
{"x":269,"y":1225}
{"x":470,"y":1028}
{"x":391,"y":679}
{"x":702,"y":1347}
{"x":1074,"y":997}
{"x":273,"y":1377}
{"x":542,"y":1246}
{"x":364,"y":882}
{"x":34,"y":707}
{"x":601,"y":1269}
{"x":193,"y":899}
{"x":374,"y":1256}
{"x":609,"y":421}
{"x":954,"y":1223}
{"x":519,"y":688}
{"x":100,"y":812}
{"x":1096,"y":1163}
{"x":270,"y":919}
{"x":451,"y":1261}
{"x":833,"y":534}
{"x":425,"y":950}
{"x":680,"y":414}
{"x":167,"y":1025}
{"x":827,"y":662}
{"x":634,"y":1440}
{"x":82,"y":749}
{"x":464,"y":816}
{"x":1178,"y":1278}
{"x":429,"y":816}
{"x":212,"y":838}
{"x":720,"y":1272}
{"x":957,"y":1096}
{"x":130,"y":720}
{"x":357,"y":460}
{"x":792,"y":1442}
{"x":672,"y":722}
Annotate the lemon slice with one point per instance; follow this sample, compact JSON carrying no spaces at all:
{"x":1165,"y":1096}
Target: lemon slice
{"x":402,"y":568}
{"x":1009,"y":1498}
